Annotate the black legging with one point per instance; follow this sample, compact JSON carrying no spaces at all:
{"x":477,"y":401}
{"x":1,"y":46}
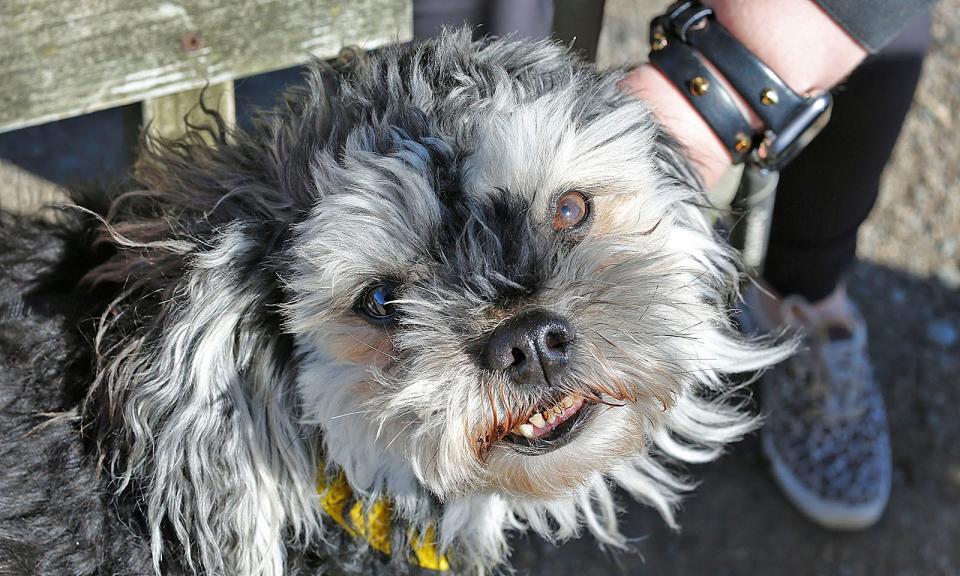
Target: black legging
{"x":827,"y":192}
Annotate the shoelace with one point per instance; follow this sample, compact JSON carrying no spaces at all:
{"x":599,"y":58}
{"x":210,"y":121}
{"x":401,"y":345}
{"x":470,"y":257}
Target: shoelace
{"x":847,"y":382}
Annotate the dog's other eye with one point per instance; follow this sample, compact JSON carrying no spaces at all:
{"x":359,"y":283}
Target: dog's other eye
{"x":572,"y":209}
{"x":377,"y":304}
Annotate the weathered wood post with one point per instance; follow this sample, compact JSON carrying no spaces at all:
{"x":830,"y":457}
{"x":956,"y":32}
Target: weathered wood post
{"x":62,"y":58}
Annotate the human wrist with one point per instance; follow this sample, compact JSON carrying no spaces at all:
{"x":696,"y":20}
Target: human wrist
{"x":681,"y":120}
{"x":795,"y":38}
{"x":800,"y":42}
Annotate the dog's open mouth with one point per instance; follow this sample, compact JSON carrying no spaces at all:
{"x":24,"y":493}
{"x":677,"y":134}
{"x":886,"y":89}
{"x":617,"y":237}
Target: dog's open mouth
{"x":553,"y":426}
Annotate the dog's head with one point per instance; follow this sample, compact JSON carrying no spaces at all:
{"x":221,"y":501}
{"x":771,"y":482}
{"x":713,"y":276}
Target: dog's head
{"x":477,"y":272}
{"x":506,"y":283}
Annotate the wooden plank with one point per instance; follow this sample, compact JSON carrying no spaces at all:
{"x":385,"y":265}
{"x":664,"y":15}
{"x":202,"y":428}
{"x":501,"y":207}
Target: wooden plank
{"x":61,"y":58}
{"x":24,"y":193}
{"x":167,"y":116}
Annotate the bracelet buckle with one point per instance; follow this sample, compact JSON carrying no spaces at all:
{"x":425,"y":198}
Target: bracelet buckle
{"x":686,"y":15}
{"x":776,"y":150}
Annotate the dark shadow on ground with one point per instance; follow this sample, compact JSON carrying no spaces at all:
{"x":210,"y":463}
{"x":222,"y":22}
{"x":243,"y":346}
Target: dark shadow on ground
{"x":737,"y":523}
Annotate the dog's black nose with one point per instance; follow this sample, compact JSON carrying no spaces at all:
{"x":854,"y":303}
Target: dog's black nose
{"x":533,"y":348}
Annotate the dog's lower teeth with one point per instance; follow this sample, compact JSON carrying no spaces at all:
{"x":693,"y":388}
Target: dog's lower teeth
{"x":541,"y":424}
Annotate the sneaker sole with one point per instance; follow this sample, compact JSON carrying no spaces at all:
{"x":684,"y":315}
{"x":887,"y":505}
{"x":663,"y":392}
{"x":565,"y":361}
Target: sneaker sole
{"x":829,"y":514}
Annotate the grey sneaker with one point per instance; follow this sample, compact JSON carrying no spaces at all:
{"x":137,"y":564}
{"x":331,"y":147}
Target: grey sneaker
{"x":826,"y":433}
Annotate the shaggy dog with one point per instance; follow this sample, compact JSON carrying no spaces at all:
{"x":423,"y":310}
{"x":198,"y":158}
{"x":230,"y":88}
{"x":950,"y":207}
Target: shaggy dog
{"x":464,"y":291}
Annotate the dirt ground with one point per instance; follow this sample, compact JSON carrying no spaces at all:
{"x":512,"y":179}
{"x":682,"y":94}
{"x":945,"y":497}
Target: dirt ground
{"x":908,"y":284}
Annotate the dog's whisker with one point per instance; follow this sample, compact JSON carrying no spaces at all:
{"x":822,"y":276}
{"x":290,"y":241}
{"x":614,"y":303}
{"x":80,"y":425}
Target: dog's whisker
{"x":357,"y":413}
{"x":401,"y":431}
{"x":374,"y":348}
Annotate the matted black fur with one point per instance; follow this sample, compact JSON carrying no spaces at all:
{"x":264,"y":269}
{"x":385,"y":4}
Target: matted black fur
{"x":55,"y":516}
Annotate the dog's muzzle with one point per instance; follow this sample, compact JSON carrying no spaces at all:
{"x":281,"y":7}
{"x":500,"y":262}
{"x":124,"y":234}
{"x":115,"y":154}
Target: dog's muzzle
{"x":533,"y":349}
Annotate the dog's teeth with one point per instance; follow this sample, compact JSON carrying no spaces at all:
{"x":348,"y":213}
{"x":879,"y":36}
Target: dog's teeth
{"x":558,"y":410}
{"x":526,"y":430}
{"x":567,"y":401}
{"x":537,"y":420}
{"x":551,"y":415}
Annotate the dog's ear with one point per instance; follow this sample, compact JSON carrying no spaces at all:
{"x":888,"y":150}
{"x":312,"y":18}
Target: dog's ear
{"x":217,"y":175}
{"x":190,"y":188}
{"x":195,"y":409}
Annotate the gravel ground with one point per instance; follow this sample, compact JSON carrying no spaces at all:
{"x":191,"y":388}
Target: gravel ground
{"x":907,"y":282}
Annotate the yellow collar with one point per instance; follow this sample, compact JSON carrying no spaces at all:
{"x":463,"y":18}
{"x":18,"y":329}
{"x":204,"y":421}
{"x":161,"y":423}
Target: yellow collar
{"x":375,"y":526}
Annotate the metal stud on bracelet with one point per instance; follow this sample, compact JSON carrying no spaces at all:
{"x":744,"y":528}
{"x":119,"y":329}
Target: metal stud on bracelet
{"x":769,"y":97}
{"x":658,"y":41}
{"x":699,"y":86}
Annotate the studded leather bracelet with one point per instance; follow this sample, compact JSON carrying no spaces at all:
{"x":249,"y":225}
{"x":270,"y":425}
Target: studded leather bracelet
{"x":687,"y":35}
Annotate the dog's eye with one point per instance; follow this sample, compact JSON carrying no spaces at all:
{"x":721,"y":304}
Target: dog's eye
{"x":572,"y":210}
{"x":377,"y":304}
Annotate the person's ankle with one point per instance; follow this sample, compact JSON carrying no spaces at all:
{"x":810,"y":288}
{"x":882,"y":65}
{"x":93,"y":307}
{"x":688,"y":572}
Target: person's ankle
{"x":835,"y":306}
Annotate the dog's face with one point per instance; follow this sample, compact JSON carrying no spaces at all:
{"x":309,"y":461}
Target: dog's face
{"x":505,"y":285}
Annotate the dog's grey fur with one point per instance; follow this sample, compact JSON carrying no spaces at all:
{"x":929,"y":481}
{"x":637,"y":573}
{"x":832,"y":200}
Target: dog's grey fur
{"x":229,"y":359}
